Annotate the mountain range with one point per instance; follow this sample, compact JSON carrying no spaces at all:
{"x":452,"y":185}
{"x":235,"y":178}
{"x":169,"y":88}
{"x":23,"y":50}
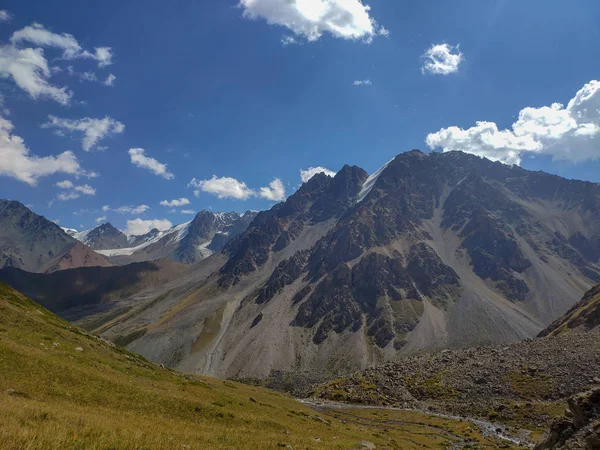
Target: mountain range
{"x":188,"y":243}
{"x":431,"y":251}
{"x":35,"y":244}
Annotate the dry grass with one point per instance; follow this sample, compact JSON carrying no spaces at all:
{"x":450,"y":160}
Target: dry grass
{"x":61,"y":388}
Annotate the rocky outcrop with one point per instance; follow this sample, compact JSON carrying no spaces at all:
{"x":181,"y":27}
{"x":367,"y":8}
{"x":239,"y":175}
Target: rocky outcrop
{"x":580,"y":428}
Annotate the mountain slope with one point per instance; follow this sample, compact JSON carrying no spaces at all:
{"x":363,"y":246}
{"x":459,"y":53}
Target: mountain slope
{"x":433,"y":251}
{"x":584,"y":316}
{"x":33,"y":243}
{"x":63,"y":388}
{"x":524,"y":384}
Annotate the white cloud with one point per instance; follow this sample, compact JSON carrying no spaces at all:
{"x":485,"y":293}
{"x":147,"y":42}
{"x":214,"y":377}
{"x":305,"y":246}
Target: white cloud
{"x":310,"y":19}
{"x":175,"y":203}
{"x":101,"y":219}
{"x":288,"y":40}
{"x":71,"y":195}
{"x":138,"y":158}
{"x":312,"y":171}
{"x":17,"y":162}
{"x":66,"y":184}
{"x":5,"y":16}
{"x":38,"y":35}
{"x":93,"y":129}
{"x":85,"y":76}
{"x":362,"y":82}
{"x":140,"y":226}
{"x":86,"y":189}
{"x":127,"y":209}
{"x":569,"y":133}
{"x":30,"y":71}
{"x":224,"y":187}
{"x":110,"y":80}
{"x":442,"y":59}
{"x":187,"y":211}
{"x":275,"y":192}
{"x":73,"y":191}
{"x":103,"y":55}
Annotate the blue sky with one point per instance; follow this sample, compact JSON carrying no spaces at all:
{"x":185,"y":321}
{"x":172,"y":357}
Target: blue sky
{"x":209,"y":88}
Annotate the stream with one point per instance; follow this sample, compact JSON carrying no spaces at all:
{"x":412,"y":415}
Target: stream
{"x":488,"y":429}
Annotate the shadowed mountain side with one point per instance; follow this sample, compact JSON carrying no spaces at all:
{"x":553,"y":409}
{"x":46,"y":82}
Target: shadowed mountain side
{"x":76,"y":293}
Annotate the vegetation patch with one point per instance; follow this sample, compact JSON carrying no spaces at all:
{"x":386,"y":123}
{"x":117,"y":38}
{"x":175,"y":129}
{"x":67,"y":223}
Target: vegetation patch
{"x":529,"y":383}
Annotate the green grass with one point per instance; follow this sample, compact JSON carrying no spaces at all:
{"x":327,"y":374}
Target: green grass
{"x":62,"y":388}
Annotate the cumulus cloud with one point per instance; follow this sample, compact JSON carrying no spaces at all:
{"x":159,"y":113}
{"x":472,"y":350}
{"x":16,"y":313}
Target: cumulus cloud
{"x":362,"y":83}
{"x":312,"y":171}
{"x":110,"y":80}
{"x":37,"y":35}
{"x":442,"y":59}
{"x":275,"y":192}
{"x":127,"y":209}
{"x":101,"y":219}
{"x":140,"y":226}
{"x":139,"y":158}
{"x":93,"y":129}
{"x":175,"y":203}
{"x":187,"y":211}
{"x":73,"y":191}
{"x":224,"y":187}
{"x":16,"y":161}
{"x":29,"y":68}
{"x":569,"y":133}
{"x":5,"y":16}
{"x":30,"y":71}
{"x":310,"y":19}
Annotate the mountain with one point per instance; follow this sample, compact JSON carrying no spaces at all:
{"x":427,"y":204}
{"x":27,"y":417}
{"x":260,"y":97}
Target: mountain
{"x":55,"y":377}
{"x":584,"y":316}
{"x":33,"y":243}
{"x":189,"y":243}
{"x":102,"y":237}
{"x":432,"y":251}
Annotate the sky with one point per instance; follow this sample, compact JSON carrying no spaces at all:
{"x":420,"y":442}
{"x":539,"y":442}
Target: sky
{"x":143,"y":113}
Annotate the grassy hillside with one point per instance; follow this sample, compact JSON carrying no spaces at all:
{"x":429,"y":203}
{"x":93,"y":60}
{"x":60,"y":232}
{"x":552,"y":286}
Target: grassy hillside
{"x":61,"y":388}
{"x":584,"y":316}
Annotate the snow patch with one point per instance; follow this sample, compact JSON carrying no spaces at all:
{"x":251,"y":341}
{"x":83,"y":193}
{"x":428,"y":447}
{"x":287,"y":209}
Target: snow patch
{"x":370,"y":182}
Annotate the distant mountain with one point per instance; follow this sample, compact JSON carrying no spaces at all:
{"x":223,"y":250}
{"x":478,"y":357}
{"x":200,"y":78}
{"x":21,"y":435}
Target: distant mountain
{"x":102,"y":237}
{"x":35,"y":244}
{"x":584,"y":316}
{"x":188,"y":243}
{"x":431,"y":251}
